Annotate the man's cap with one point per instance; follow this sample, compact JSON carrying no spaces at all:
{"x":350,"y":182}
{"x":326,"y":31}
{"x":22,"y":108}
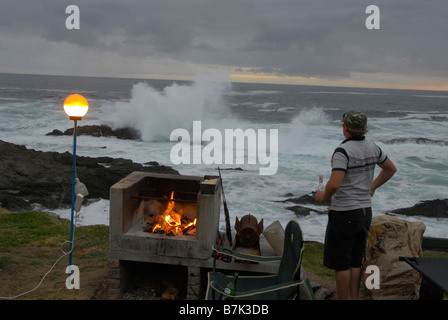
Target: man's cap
{"x":355,"y":120}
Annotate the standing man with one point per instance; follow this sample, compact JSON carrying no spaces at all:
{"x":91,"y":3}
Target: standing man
{"x":351,"y":186}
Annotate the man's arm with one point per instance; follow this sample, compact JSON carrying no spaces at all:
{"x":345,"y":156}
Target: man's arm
{"x":332,"y":185}
{"x":388,"y":170}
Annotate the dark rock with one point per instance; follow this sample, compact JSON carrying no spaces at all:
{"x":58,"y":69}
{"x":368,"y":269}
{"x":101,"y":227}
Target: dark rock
{"x":308,"y":199}
{"x":55,"y":132}
{"x":430,"y":208}
{"x":46,"y":177}
{"x":417,"y":141}
{"x":437,"y":208}
{"x":100,"y":131}
{"x":14,"y":203}
{"x":304,"y":211}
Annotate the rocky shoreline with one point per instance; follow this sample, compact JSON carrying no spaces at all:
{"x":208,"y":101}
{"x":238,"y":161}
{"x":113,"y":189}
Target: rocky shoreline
{"x":99,"y":131}
{"x":36,"y":177}
{"x":437,"y":208}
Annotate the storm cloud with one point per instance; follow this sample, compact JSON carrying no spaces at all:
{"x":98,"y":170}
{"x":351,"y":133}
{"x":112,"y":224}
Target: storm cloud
{"x":303,"y":38}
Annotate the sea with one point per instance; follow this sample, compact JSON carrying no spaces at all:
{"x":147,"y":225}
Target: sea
{"x":410,"y":126}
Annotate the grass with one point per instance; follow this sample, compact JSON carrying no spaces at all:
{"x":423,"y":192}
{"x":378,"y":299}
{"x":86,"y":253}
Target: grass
{"x":313,"y":257}
{"x":25,"y":228}
{"x":31,"y":242}
{"x":313,"y":263}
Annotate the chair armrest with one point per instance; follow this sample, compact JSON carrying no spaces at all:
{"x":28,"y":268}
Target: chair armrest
{"x":244,"y":294}
{"x":244,"y":256}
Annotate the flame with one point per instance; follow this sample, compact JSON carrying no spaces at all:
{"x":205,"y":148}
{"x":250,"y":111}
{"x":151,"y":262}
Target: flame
{"x":191,"y":224}
{"x":156,"y":227}
{"x":170,"y":221}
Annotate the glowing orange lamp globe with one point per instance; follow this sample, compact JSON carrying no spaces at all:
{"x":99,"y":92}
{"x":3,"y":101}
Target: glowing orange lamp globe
{"x":76,"y":106}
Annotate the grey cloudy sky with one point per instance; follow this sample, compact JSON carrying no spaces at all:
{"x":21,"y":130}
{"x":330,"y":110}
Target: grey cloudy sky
{"x":294,"y":41}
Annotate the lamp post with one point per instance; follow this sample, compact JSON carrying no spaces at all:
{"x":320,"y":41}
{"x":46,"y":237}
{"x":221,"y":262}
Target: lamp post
{"x":76,"y":107}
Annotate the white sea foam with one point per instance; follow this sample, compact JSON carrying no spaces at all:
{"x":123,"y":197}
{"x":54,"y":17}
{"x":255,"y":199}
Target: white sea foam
{"x":92,"y":213}
{"x":306,"y":144}
{"x":156,"y":114}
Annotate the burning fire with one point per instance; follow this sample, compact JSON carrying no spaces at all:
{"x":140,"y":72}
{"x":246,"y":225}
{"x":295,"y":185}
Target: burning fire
{"x":171,"y":222}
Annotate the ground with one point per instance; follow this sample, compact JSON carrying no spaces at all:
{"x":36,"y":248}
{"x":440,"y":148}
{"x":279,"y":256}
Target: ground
{"x":31,"y":243}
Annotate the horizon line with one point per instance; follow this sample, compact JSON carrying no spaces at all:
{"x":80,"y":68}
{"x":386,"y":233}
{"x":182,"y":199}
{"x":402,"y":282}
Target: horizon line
{"x":262,"y":79}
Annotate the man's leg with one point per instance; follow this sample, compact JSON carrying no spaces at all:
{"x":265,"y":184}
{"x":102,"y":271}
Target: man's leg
{"x":355,"y":278}
{"x":347,"y":283}
{"x":343,"y":284}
